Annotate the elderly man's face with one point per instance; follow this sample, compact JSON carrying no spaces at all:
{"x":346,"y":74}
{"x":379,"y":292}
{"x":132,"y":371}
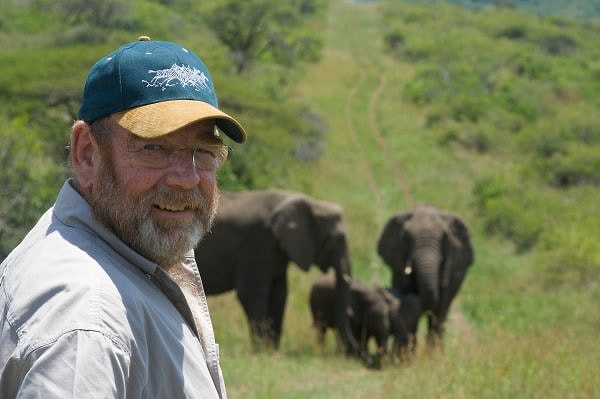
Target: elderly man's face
{"x":160,"y":210}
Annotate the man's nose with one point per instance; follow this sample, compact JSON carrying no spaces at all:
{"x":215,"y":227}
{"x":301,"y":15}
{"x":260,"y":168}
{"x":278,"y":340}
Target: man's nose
{"x":183,"y":172}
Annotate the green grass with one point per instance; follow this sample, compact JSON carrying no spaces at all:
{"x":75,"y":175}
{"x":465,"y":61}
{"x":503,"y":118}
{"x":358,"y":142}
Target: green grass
{"x":509,"y":335}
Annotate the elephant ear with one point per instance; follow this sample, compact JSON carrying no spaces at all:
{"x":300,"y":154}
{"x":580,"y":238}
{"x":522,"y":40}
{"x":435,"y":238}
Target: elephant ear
{"x":392,"y":247}
{"x":459,"y":240}
{"x":292,"y":223}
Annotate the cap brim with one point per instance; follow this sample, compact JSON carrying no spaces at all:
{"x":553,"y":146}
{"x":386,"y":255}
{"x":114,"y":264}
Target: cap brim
{"x":159,"y":119}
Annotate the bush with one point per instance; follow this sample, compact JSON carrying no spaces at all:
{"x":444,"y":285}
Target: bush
{"x":513,"y":32}
{"x":565,"y":150}
{"x":394,"y":40}
{"x":559,"y":44}
{"x":574,"y":164}
{"x":569,"y":249}
{"x":506,"y":210}
{"x":105,"y":13}
{"x":29,"y":181}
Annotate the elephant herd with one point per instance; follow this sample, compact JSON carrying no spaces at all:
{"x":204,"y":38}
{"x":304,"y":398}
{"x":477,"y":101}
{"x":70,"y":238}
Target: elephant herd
{"x":257,"y":233}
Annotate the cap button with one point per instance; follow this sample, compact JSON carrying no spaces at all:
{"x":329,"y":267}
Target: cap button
{"x":144,"y":38}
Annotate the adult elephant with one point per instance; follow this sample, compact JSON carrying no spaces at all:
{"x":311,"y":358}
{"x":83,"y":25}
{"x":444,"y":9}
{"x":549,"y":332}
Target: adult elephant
{"x":429,"y":252}
{"x":254,"y":237}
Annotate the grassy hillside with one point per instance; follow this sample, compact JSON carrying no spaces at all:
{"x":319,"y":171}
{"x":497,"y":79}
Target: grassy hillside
{"x":491,"y":114}
{"x":519,"y":327}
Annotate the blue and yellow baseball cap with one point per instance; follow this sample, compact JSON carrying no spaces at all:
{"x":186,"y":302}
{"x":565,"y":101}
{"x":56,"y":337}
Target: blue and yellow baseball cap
{"x":153,"y":88}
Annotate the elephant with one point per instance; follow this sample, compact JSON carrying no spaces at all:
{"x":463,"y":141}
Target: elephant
{"x":374,"y":312}
{"x":368,"y":314}
{"x":429,"y":252}
{"x":254,"y":237}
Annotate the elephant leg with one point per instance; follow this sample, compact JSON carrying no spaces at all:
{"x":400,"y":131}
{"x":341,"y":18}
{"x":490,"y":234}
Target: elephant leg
{"x":435,"y":329}
{"x":447,"y":295}
{"x":381,"y":331}
{"x":277,"y":301}
{"x":412,"y":338}
{"x":255,"y":304}
{"x":321,"y":334}
{"x":320,"y":324}
{"x":403,"y":345}
{"x":406,"y":346}
{"x":381,"y":352}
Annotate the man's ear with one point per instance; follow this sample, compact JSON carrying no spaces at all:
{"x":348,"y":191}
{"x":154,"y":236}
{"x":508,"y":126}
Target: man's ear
{"x":85,"y":155}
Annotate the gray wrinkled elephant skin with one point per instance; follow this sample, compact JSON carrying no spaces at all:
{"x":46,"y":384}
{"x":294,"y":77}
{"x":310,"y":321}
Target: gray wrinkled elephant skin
{"x":374,"y":312}
{"x":254,"y":237}
{"x":429,"y":252}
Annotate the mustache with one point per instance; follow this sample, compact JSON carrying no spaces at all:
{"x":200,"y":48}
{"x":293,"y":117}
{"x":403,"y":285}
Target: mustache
{"x":184,"y":199}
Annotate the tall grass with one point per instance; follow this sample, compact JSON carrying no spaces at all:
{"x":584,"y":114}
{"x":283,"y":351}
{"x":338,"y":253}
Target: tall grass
{"x":511,"y":332}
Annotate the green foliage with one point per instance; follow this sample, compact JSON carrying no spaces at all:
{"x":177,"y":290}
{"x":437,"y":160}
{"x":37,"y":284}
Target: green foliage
{"x":513,"y":86}
{"x":29,"y":182}
{"x":106,"y":13}
{"x":570,"y":250}
{"x":502,"y":215}
{"x":260,"y":29}
{"x":22,"y":20}
{"x":565,"y":148}
{"x":575,"y":163}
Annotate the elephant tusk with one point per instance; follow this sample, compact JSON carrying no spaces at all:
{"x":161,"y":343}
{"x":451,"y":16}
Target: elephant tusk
{"x":407,"y":270}
{"x":347,"y":278}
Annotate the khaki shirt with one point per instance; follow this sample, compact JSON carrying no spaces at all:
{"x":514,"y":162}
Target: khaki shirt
{"x":84,"y":316}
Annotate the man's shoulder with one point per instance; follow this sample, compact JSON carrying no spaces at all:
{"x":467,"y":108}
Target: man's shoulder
{"x":55,"y":285}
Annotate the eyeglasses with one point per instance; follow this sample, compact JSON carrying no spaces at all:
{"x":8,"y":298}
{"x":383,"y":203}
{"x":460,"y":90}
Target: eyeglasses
{"x":206,"y":157}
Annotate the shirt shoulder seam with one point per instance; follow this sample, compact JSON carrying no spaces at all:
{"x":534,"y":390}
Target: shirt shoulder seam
{"x":49,"y":341}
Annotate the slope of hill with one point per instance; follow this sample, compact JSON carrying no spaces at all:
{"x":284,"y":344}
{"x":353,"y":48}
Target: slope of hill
{"x":524,"y":323}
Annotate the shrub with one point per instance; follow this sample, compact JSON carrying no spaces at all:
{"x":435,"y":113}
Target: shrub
{"x":558,"y":44}
{"x":569,"y":249}
{"x":29,"y":181}
{"x":564,"y":150}
{"x":574,"y":164}
{"x":394,"y":40}
{"x":507,"y":210}
{"x":513,"y":32}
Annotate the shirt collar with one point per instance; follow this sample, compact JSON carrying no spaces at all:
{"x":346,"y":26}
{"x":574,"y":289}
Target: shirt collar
{"x":73,"y":210}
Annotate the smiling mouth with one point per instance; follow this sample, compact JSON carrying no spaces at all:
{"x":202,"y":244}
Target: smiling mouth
{"x":173,"y":208}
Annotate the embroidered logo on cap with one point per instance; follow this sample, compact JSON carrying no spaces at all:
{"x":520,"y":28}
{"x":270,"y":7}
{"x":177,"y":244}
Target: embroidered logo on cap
{"x":178,"y":75}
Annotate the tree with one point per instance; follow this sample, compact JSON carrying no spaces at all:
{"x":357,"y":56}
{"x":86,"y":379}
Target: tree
{"x":262,"y":29}
{"x":105,"y":13}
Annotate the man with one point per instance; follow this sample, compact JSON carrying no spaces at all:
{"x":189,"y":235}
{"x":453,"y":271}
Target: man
{"x":103,"y":299}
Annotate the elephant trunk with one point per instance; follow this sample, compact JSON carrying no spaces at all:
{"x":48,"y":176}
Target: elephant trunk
{"x":343,"y":278}
{"x":426,"y":264}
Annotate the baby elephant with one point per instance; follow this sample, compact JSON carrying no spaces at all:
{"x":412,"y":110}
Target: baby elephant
{"x":368,"y":314}
{"x":404,"y":320}
{"x":403,"y":312}
{"x":374,"y":312}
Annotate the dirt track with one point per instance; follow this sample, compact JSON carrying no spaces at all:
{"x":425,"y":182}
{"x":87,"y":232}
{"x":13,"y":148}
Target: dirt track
{"x":395,"y":168}
{"x":359,"y":147}
{"x":375,"y":131}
